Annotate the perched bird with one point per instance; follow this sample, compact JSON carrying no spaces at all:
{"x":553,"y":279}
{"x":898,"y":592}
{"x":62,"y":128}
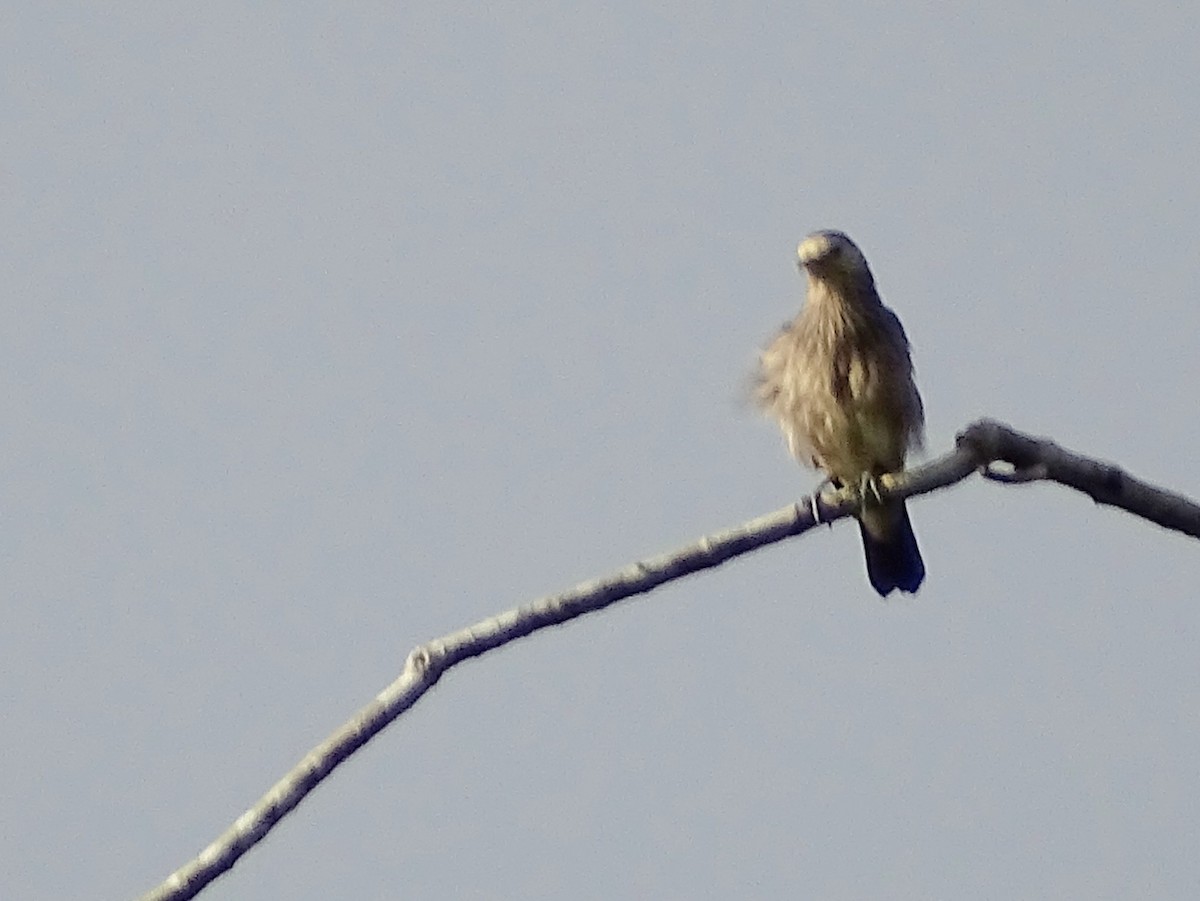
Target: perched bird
{"x":839,"y":380}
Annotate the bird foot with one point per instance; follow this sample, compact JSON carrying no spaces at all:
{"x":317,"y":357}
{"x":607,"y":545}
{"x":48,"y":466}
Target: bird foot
{"x":814,"y":498}
{"x":869,"y":491}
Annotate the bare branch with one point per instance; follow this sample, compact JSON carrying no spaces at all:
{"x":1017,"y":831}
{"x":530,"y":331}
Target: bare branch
{"x":980,"y":447}
{"x":1034,"y":459}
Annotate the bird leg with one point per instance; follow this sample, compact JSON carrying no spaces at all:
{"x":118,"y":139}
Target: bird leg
{"x":868,"y":490}
{"x":827,"y":482}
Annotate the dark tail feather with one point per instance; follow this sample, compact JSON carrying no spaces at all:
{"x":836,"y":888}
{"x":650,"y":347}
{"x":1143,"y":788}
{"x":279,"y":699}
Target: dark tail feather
{"x":893,"y":559}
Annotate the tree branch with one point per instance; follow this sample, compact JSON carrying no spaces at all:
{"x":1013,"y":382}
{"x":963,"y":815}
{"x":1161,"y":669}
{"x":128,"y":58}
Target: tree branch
{"x":992,"y":448}
{"x":1033,"y":459}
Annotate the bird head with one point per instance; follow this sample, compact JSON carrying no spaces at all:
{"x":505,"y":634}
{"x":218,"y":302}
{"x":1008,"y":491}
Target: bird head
{"x":830,"y":254}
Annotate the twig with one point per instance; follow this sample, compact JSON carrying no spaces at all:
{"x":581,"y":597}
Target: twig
{"x":981,"y":447}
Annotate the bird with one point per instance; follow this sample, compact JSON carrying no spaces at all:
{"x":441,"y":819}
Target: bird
{"x":838,"y":378}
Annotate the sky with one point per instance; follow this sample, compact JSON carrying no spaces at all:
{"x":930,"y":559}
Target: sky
{"x":335,"y":328}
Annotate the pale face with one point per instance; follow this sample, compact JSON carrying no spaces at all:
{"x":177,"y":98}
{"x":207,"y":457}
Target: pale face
{"x":827,"y":252}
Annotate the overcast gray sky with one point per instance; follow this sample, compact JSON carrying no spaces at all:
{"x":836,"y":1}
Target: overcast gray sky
{"x":333,"y":328}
